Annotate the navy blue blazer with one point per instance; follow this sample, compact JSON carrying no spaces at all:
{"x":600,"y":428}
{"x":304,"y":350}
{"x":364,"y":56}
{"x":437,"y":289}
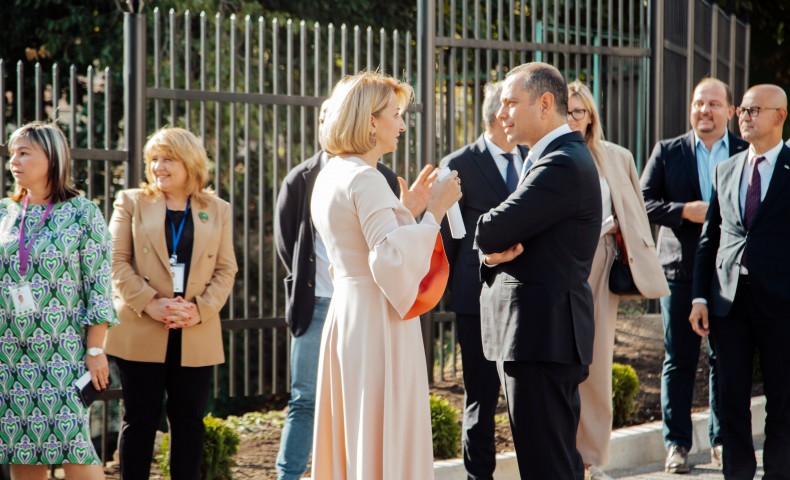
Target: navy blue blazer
{"x":294,"y":236}
{"x":669,"y":181}
{"x":483,"y":188}
{"x":725,"y":239}
{"x":539,"y":307}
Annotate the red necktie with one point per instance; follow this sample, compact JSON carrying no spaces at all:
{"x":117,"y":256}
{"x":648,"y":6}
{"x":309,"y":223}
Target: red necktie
{"x":752,"y":199}
{"x":752,"y":194}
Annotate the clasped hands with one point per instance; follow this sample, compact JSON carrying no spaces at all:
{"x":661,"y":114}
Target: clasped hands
{"x":175,"y":313}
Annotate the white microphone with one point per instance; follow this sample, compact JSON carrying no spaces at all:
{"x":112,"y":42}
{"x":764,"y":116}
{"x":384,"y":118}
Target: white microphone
{"x":454,"y":218}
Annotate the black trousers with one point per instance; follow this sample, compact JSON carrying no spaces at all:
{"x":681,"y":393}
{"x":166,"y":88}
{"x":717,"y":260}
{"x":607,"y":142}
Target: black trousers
{"x":736,"y":336}
{"x":481,"y":394}
{"x":144,"y":387}
{"x":543,"y":402}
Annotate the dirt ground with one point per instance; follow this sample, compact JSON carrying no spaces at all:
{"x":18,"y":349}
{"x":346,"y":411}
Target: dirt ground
{"x":638,"y":342}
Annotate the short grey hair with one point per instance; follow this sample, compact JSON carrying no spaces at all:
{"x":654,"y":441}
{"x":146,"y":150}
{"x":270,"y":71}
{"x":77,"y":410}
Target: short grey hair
{"x":491,"y":102}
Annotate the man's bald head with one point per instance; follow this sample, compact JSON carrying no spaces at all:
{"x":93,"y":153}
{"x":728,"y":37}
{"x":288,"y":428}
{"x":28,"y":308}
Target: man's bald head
{"x":762,"y":115}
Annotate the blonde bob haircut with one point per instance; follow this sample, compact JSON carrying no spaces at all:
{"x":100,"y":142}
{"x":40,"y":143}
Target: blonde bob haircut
{"x":594,"y":134}
{"x":346,"y":128}
{"x":183,"y":146}
{"x":49,"y":138}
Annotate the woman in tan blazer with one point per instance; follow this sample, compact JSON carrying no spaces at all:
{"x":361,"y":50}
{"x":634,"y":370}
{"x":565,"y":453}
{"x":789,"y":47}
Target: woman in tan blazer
{"x":623,"y":211}
{"x":173,"y":268}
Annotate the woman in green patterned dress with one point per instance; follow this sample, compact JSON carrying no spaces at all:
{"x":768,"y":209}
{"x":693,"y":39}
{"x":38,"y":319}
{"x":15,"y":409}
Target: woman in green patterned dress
{"x":55,"y":307}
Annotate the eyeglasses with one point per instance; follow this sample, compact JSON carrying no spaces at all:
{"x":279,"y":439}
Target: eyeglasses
{"x":577,"y":114}
{"x":753,"y":112}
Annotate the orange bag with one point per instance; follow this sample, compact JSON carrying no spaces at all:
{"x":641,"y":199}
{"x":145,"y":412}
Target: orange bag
{"x":433,"y":285}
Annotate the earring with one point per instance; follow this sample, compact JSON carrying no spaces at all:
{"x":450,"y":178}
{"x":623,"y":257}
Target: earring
{"x":374,"y":138}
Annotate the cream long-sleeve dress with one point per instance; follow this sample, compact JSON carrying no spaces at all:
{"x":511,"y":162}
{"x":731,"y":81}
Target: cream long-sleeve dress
{"x":372,"y":411}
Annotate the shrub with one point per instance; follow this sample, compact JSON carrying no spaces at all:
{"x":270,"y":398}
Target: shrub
{"x":219,"y":448}
{"x":625,"y":385}
{"x":446,"y":431}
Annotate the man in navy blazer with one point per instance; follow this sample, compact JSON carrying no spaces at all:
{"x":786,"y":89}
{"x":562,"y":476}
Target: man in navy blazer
{"x":676,"y":186}
{"x":536,"y":252}
{"x":489,"y":169}
{"x":742,"y":280}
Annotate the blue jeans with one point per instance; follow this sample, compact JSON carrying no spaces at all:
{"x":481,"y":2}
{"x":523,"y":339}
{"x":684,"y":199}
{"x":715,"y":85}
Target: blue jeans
{"x":296,"y":442}
{"x":681,"y":346}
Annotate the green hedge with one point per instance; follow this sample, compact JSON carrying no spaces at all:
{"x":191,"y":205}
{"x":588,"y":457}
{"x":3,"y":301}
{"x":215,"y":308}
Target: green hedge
{"x":446,"y":428}
{"x":220,"y":446}
{"x":625,"y":386}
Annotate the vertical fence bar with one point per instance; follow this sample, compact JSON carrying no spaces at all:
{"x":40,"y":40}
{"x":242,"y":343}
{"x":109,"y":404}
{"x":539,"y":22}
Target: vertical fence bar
{"x":261,"y":204}
{"x":289,"y":91}
{"x":172,"y":35}
{"x":275,"y":177}
{"x":203,"y":77}
{"x":357,"y":47}
{"x":330,"y":59}
{"x":2,"y":115}
{"x":38,"y":91}
{"x":246,"y":203}
{"x":382,"y":50}
{"x":20,"y":92}
{"x":157,"y":69}
{"x":302,"y":89}
{"x":408,"y":117}
{"x":134,"y":74}
{"x":89,"y":129}
{"x":73,"y":108}
{"x":465,"y":73}
{"x":690,"y":47}
{"x":108,"y":146}
{"x":476,"y":98}
{"x":369,"y":49}
{"x":714,"y":41}
{"x":396,"y":74}
{"x":343,"y":48}
{"x":316,"y":79}
{"x":217,"y":157}
{"x":187,"y":68}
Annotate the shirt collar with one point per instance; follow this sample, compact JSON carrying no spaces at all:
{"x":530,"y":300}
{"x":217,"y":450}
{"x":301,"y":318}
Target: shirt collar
{"x":537,"y":150}
{"x":725,"y":141}
{"x":770,"y":156}
{"x":494,"y":148}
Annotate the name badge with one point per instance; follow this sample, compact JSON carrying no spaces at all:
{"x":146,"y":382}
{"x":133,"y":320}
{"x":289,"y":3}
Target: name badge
{"x":23,"y":299}
{"x":177,"y":272}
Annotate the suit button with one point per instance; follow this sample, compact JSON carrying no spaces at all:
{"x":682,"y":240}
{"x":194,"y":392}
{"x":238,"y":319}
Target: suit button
{"x":310,"y":284}
{"x":631,"y":259}
{"x":145,"y":250}
{"x":311,"y":258}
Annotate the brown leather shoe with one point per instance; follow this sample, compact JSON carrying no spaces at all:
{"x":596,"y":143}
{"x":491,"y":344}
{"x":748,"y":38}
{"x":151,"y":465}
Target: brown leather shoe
{"x":716,"y":455}
{"x":677,"y":460}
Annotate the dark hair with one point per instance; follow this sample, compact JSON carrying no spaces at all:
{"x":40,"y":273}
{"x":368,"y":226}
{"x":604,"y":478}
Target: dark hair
{"x":52,"y":141}
{"x":540,"y":78}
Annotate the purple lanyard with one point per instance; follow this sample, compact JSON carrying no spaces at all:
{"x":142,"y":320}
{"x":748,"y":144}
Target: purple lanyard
{"x":24,"y":248}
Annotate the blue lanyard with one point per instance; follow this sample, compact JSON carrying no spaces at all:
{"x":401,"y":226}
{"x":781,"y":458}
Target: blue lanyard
{"x":177,"y":235}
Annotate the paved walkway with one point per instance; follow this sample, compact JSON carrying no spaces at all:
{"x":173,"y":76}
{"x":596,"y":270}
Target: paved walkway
{"x":702,"y":469}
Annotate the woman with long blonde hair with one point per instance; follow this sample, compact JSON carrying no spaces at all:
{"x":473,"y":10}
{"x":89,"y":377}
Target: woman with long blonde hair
{"x":623,"y":215}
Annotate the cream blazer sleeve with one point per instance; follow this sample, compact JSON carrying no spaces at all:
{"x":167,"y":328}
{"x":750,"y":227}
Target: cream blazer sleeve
{"x":629,"y":206}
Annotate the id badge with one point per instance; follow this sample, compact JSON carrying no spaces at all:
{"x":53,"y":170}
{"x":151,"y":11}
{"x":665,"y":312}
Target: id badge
{"x":177,"y":272}
{"x":22,"y":296}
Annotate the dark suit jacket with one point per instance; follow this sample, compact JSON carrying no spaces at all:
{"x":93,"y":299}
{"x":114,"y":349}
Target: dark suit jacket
{"x":294,"y":235}
{"x":725,"y":239}
{"x":669,"y":181}
{"x":483,"y":188}
{"x":539,"y":307}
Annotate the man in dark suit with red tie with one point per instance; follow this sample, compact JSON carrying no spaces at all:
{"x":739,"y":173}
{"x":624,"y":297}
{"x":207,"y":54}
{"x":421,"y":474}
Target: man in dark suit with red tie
{"x":741,"y":285}
{"x":537,"y":249}
{"x":489,"y":169}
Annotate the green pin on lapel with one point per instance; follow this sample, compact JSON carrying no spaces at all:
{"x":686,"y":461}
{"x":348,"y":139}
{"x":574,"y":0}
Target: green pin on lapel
{"x":203,"y":216}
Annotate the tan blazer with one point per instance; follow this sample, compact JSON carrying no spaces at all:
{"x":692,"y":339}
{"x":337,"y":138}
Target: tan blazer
{"x":141,"y":272}
{"x":629,"y":207}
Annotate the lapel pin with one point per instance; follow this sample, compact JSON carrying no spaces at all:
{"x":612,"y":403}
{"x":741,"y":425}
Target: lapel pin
{"x":203,"y":216}
{"x":787,"y":166}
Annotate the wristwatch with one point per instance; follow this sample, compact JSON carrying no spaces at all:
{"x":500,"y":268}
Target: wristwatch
{"x":95,"y":351}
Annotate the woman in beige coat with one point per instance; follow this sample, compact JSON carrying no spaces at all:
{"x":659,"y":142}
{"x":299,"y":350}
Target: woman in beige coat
{"x":623,"y":211}
{"x":172,"y":271}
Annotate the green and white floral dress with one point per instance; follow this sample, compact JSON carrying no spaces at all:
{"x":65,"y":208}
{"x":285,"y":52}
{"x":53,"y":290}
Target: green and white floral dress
{"x":42,"y":420}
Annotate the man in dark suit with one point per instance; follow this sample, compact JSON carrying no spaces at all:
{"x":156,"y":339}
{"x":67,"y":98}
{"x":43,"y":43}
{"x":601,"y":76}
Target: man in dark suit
{"x":308,"y":289}
{"x":742,"y":278}
{"x":676,"y":185}
{"x":536,"y":304}
{"x":489,"y":169}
